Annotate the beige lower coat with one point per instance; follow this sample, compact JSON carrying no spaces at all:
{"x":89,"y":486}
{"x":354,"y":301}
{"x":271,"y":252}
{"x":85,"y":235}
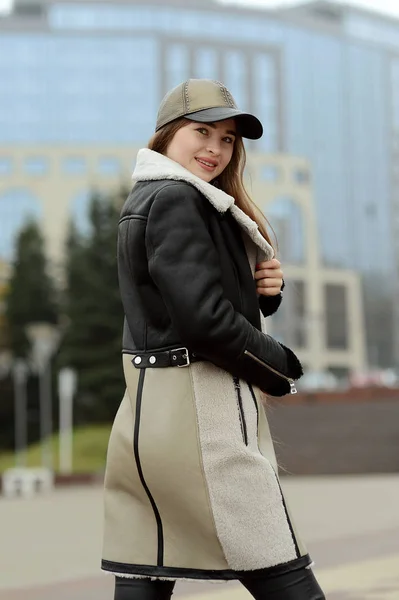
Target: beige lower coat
{"x":191,"y":486}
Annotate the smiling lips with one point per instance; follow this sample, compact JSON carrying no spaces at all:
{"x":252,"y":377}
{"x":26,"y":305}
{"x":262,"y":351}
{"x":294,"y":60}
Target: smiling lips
{"x":207,"y":163}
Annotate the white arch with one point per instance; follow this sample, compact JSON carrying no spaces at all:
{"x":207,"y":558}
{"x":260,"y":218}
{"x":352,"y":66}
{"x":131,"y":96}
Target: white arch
{"x":17,"y":206}
{"x":79,"y":210}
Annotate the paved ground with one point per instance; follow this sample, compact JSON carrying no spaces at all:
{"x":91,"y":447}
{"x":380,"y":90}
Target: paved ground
{"x":50,"y":546}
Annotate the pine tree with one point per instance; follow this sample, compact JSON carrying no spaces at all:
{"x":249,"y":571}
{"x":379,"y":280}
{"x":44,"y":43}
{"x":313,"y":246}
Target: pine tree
{"x":93,"y":310}
{"x":31,"y":295}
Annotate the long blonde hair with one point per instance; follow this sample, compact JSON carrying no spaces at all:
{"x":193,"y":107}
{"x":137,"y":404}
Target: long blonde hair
{"x":231,"y":180}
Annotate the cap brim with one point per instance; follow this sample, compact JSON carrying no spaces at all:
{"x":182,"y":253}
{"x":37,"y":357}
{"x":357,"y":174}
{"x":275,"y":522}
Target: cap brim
{"x":248,"y":125}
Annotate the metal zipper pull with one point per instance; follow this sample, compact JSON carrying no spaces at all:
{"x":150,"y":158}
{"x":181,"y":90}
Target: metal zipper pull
{"x":293,"y":389}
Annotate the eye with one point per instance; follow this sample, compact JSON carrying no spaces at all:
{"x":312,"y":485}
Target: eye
{"x":202,"y":130}
{"x":229,"y":140}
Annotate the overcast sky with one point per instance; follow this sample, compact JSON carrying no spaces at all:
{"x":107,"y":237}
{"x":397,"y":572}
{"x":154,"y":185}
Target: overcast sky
{"x":387,"y":6}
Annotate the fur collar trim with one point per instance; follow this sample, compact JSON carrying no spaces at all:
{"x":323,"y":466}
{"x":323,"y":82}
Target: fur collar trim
{"x":151,"y":166}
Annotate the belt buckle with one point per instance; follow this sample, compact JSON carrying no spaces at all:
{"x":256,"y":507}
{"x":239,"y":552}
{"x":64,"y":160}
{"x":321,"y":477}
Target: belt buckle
{"x":186,"y":356}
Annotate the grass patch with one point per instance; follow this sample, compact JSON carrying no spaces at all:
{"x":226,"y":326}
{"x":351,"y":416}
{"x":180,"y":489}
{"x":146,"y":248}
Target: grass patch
{"x":89,"y":451}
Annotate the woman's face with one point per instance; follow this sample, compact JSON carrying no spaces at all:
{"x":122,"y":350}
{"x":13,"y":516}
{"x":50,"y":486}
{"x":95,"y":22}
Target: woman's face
{"x":204,"y":149}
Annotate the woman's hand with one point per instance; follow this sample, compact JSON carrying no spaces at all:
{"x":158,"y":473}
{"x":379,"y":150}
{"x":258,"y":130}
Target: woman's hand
{"x":269,"y":278}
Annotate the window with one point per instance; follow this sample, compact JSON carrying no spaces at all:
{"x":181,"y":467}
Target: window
{"x":269,"y":173}
{"x":109,"y":166}
{"x":299,"y":303}
{"x":301,"y":176}
{"x":336,"y":316}
{"x":289,"y":322}
{"x":74,"y":165}
{"x":36,"y":166}
{"x":341,"y":373}
{"x":5,"y":166}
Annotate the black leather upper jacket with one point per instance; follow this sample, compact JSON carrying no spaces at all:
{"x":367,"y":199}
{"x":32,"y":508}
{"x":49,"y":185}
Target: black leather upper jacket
{"x":185,"y":280}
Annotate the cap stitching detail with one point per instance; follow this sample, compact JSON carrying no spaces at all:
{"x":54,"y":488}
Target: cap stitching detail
{"x":187,"y":98}
{"x":230,"y":97}
{"x":226,"y":94}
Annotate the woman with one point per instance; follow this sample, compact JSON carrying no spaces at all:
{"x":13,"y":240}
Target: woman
{"x":191,"y":487}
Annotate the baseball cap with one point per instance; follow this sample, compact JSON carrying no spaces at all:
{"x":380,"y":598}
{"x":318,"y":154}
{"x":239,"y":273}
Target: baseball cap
{"x":206,"y":101}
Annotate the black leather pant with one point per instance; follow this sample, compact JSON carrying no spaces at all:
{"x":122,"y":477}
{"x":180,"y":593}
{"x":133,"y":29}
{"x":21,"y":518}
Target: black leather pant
{"x":298,"y":585}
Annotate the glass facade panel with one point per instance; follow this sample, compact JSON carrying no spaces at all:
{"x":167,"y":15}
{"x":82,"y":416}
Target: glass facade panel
{"x":177,"y":65}
{"x":101,"y":17}
{"x":77,"y":89}
{"x":206,"y":64}
{"x":185,"y":22}
{"x":368,"y":159}
{"x":265,"y":98}
{"x":395,"y":92}
{"x":325,"y":123}
{"x":235,"y":76}
{"x":373,"y":30}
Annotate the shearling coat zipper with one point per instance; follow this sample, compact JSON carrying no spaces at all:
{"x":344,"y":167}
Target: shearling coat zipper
{"x":261,"y":362}
{"x":241,"y":410}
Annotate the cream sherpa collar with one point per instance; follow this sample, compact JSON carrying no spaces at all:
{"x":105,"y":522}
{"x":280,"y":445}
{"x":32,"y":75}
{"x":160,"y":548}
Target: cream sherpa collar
{"x":152,"y":166}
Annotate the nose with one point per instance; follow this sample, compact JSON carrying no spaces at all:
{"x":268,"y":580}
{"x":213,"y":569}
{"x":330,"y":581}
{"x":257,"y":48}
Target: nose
{"x":214,"y":147}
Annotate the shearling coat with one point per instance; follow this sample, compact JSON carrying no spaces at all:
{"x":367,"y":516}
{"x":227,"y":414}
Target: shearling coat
{"x":191,"y":487}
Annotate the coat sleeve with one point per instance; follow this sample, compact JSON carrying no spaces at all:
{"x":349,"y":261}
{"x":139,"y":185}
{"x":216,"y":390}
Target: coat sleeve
{"x":184,"y":265}
{"x":270,"y":304}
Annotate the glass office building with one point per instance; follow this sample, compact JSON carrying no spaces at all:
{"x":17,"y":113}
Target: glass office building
{"x":324,"y":81}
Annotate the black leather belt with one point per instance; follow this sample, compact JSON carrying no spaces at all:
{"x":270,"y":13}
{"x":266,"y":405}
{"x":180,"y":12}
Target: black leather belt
{"x":178,"y":357}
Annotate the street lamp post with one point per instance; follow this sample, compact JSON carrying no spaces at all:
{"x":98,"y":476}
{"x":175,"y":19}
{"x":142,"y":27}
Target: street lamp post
{"x":44,"y":338}
{"x":66,"y":391}
{"x":20,"y":372}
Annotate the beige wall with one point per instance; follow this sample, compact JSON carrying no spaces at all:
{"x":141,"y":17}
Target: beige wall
{"x":56,"y":191}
